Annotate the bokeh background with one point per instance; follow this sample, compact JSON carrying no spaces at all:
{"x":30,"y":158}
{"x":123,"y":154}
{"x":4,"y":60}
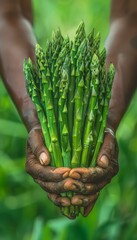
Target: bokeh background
{"x":25,"y":211}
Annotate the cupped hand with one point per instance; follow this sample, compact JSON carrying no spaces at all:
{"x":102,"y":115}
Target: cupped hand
{"x":51,"y":179}
{"x":95,"y":178}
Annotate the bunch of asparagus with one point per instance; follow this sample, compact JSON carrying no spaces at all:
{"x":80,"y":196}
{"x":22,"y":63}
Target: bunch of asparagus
{"x":71,"y":91}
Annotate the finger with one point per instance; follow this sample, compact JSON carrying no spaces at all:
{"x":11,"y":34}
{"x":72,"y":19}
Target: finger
{"x":83,"y":201}
{"x":89,"y":175}
{"x":36,"y":142}
{"x":107,"y":164}
{"x":90,"y":189}
{"x":60,"y":187}
{"x":44,"y":173}
{"x":89,"y":208}
{"x":109,"y":155}
{"x":58,"y":200}
{"x":107,"y":151}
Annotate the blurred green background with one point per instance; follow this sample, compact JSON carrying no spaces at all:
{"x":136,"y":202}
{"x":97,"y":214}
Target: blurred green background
{"x":25,"y":211}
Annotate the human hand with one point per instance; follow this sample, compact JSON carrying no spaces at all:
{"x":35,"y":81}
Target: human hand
{"x":95,"y":178}
{"x":53,"y":180}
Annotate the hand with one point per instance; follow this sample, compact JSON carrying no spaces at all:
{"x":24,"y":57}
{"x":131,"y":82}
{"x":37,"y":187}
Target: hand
{"x":53,"y":180}
{"x":94,"y":179}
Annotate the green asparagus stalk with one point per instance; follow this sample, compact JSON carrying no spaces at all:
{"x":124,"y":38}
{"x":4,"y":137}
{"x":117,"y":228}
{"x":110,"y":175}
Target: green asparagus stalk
{"x":57,"y":42}
{"x":63,"y":120}
{"x":87,"y":80}
{"x":57,"y":73}
{"x":78,"y":107}
{"x":49,"y":54}
{"x":79,"y":37}
{"x":90,"y":119}
{"x":78,"y":113}
{"x":30,"y":75}
{"x":100,"y":100}
{"x":91,"y":38}
{"x":109,"y":81}
{"x":96,"y":44}
{"x":46,"y":90}
{"x":98,"y":120}
{"x":102,"y":57}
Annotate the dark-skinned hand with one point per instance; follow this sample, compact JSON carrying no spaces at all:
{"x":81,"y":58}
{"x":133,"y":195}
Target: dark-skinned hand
{"x":94,"y":179}
{"x":54,"y":180}
{"x":84,"y":182}
{"x":51,"y":179}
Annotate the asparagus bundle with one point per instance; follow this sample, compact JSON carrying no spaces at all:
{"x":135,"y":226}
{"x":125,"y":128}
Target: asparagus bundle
{"x":71,"y":91}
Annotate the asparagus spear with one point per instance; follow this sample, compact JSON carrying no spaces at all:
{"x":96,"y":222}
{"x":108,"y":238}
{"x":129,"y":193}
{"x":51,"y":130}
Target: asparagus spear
{"x":109,"y":81}
{"x":91,"y":38}
{"x":102,"y":57}
{"x":49,"y":54}
{"x":63,"y":121}
{"x":57,"y":41}
{"x":79,"y":37}
{"x":78,"y":108}
{"x":87,"y":80}
{"x":57,"y":73}
{"x":96,"y":44}
{"x":46,"y":90}
{"x":98,"y":120}
{"x":100,"y":100}
{"x":90,"y":119}
{"x":30,"y":75}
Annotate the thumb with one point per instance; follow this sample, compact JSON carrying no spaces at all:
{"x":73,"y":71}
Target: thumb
{"x":36,"y":142}
{"x":106,"y":151}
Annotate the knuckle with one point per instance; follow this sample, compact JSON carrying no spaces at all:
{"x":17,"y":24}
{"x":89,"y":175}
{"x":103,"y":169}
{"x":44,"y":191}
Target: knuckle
{"x":86,"y":201}
{"x":92,"y":188}
{"x":107,"y":149}
{"x":39,"y":172}
{"x":28,"y":168}
{"x":37,"y":150}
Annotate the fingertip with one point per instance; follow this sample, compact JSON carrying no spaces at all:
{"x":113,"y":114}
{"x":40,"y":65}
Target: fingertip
{"x":76,"y":201}
{"x":103,"y":161}
{"x":88,"y":209}
{"x":75,"y":175}
{"x":44,"y":159}
{"x":65,"y":202}
{"x":65,"y":175}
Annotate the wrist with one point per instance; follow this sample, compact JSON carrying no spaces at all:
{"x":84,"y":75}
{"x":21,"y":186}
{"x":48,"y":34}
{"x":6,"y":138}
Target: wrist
{"x":113,"y":121}
{"x":28,"y":114}
{"x":112,"y":124}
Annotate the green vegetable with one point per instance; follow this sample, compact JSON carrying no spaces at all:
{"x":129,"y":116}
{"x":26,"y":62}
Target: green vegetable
{"x":108,"y":86}
{"x":63,"y":113}
{"x":46,"y":91}
{"x":88,"y":134}
{"x":79,"y":37}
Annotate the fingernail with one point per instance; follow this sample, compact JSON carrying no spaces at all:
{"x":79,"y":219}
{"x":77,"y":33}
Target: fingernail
{"x":66,"y":174}
{"x":43,"y":158}
{"x":104,"y":161}
{"x":75,"y":175}
{"x":76,"y":202}
{"x":65,"y":204}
